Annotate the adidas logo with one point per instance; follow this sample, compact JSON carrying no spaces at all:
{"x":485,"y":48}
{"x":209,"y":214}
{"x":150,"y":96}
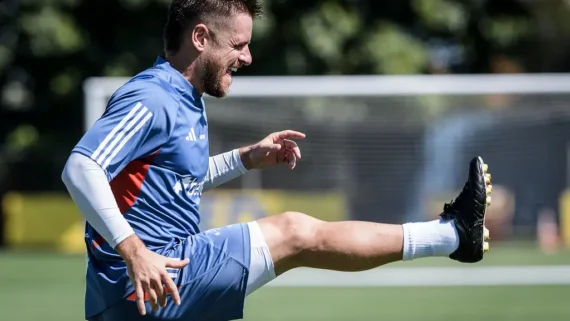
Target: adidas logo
{"x":192,"y":136}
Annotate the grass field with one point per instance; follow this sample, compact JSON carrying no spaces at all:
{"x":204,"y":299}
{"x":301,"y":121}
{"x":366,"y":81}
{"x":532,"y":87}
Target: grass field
{"x":49,"y":287}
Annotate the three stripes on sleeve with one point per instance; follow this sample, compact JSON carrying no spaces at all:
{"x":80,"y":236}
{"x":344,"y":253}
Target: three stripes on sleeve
{"x":132,"y":123}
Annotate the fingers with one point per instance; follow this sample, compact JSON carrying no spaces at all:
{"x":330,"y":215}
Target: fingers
{"x":171,"y":288}
{"x":152,"y":281}
{"x":152,"y":297}
{"x":140,"y":298}
{"x":287,"y":156}
{"x":290,"y":154}
{"x":291,"y":159}
{"x":177,"y":264}
{"x":282,"y":139}
{"x":289,"y":134}
{"x":168,"y":283}
{"x":160,"y":292}
{"x":289,"y":144}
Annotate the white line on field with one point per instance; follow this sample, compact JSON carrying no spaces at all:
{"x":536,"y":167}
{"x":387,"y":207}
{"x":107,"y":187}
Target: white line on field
{"x":427,"y":276}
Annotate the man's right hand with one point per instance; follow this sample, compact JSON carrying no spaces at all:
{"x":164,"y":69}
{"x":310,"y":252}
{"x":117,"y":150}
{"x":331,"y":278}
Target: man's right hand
{"x":147,"y":271}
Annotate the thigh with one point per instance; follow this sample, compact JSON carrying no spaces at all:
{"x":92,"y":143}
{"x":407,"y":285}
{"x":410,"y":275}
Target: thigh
{"x":212,"y":286}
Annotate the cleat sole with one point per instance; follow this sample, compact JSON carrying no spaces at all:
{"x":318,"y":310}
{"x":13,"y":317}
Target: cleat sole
{"x":488,"y":191}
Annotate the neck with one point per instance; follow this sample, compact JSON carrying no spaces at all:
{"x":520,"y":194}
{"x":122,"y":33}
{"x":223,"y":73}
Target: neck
{"x":185,"y":63}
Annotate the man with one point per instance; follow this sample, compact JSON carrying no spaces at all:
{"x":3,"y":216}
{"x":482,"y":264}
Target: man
{"x":137,"y":176}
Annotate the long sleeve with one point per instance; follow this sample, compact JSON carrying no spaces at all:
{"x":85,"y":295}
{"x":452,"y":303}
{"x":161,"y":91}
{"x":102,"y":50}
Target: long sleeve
{"x":135,"y":124}
{"x":223,"y":168}
{"x":88,"y":186}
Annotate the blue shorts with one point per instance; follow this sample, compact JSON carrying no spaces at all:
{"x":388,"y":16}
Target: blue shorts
{"x":212,"y":286}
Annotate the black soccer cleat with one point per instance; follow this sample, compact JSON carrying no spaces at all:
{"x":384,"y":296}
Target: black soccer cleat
{"x":468,"y":212}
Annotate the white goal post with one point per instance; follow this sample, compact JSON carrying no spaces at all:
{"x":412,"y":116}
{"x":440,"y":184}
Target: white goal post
{"x":98,"y":89}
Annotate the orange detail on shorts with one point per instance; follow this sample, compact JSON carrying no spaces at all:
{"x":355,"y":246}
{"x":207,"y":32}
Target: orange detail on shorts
{"x":98,"y":241}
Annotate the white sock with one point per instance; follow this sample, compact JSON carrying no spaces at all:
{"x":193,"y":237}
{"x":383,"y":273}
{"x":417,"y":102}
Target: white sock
{"x":433,"y":238}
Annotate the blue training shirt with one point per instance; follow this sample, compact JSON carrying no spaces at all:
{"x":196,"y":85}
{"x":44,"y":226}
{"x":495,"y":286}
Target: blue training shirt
{"x":152,"y":143}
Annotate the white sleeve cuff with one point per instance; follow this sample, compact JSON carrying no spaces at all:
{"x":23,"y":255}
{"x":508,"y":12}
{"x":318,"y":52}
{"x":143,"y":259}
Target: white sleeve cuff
{"x":87,"y":184}
{"x":237,"y":160}
{"x":223,"y":168}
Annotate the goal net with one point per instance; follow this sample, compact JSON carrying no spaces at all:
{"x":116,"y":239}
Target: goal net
{"x":391,"y":148}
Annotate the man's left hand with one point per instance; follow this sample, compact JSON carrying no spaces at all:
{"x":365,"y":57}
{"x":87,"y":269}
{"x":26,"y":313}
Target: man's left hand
{"x":277,"y":148}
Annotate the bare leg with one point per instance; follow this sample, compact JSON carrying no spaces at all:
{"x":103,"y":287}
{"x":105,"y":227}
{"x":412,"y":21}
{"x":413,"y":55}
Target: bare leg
{"x":298,"y":240}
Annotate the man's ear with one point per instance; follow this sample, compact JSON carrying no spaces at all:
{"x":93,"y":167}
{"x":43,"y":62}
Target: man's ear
{"x":199,"y":36}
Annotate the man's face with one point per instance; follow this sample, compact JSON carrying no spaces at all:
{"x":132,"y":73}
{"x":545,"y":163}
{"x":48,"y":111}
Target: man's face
{"x":228,"y":51}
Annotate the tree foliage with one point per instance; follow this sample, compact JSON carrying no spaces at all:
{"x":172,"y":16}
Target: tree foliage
{"x":48,"y":47}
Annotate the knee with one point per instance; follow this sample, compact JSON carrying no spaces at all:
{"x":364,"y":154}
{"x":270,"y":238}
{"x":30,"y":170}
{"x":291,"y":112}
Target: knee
{"x":290,"y":236}
{"x":299,"y":230}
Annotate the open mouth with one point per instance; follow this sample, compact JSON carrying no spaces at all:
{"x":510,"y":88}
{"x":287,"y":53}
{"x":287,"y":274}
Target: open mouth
{"x":230,"y":70}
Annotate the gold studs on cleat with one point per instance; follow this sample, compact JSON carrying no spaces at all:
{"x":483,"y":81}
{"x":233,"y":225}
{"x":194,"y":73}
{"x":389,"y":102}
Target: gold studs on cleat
{"x":488,"y":185}
{"x":488,"y":191}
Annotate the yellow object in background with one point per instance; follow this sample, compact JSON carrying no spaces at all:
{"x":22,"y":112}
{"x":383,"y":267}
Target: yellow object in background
{"x":223,"y":207}
{"x":40,"y":221}
{"x":565,"y":217}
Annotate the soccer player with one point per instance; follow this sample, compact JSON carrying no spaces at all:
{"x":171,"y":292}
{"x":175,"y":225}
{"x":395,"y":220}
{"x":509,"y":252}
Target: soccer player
{"x":138,"y":173}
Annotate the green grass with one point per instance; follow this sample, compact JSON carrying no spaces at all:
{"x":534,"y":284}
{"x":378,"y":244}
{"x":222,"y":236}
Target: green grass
{"x":403,"y":304}
{"x":49,"y":287}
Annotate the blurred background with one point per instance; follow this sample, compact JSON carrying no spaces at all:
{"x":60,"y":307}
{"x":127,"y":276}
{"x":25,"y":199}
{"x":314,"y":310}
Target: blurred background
{"x":395,"y":98}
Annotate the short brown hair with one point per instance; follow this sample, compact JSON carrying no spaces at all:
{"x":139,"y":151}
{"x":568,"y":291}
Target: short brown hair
{"x":184,"y":12}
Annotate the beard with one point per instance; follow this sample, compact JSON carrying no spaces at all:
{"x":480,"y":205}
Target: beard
{"x":212,"y":77}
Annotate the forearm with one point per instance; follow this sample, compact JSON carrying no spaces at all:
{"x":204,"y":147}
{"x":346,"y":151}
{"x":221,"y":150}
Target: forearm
{"x":87,"y":184}
{"x":223,"y":168}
